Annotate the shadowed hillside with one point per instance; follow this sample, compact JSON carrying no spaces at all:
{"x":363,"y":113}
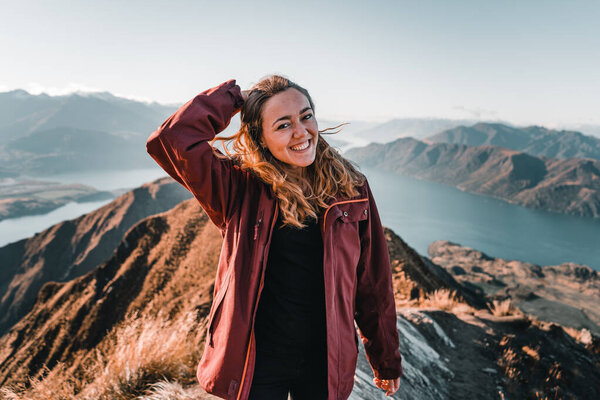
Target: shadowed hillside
{"x":165,"y":263}
{"x":73,"y":248}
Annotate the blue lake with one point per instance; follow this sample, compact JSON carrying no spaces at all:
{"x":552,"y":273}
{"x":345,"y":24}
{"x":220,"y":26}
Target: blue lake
{"x":421,"y":212}
{"x":15,"y":229}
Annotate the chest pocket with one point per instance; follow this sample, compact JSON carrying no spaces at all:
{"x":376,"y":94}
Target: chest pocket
{"x":354,"y":212}
{"x":347,"y":233}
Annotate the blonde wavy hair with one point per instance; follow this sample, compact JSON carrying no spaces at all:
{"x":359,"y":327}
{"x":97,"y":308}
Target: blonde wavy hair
{"x":299,"y":198}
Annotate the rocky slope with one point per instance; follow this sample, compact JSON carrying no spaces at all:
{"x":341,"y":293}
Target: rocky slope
{"x":453,"y":346}
{"x":568,"y":294}
{"x":73,"y":248}
{"x":570,"y":186}
{"x":165,"y":262}
{"x":534,"y":140}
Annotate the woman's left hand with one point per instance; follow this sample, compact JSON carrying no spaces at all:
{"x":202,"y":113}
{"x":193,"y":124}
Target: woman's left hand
{"x":391,"y":385}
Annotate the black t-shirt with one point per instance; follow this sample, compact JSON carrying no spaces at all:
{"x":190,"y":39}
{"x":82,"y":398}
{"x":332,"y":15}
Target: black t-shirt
{"x":290,"y":319}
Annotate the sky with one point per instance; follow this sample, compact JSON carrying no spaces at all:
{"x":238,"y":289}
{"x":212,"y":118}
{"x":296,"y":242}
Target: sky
{"x":524,"y":62}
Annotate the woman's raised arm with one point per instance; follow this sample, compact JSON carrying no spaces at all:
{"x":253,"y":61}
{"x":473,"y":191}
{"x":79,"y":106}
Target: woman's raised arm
{"x":180,"y":146}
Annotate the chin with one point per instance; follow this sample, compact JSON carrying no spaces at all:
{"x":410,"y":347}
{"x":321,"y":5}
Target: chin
{"x":305,"y":164}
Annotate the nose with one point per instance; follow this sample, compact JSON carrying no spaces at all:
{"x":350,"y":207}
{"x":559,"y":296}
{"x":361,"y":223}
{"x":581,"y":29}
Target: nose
{"x":300,"y":130}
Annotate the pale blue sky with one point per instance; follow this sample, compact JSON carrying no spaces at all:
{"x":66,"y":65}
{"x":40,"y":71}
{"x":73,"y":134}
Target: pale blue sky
{"x":527,"y":62}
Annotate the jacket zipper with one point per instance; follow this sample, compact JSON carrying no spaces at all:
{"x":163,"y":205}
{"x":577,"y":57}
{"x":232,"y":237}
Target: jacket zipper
{"x":262,"y":280}
{"x":323,"y":234}
{"x":257,"y":226}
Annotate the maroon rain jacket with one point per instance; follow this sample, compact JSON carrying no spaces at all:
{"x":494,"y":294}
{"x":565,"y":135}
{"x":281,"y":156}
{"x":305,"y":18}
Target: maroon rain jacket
{"x":357,"y":272}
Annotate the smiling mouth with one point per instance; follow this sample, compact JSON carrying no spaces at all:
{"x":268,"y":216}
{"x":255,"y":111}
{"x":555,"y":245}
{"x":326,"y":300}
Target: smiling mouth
{"x":301,"y":147}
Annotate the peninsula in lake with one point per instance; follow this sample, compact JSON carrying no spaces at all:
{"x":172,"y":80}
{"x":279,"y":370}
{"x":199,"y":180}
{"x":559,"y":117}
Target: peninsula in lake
{"x":569,"y":186}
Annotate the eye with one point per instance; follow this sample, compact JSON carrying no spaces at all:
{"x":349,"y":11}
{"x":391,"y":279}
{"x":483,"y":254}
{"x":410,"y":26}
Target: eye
{"x":282,"y":126}
{"x":308,"y":116}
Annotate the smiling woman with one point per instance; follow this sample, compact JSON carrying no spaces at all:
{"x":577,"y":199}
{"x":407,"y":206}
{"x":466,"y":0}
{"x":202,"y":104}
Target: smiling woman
{"x":279,"y":141}
{"x":287,"y":290}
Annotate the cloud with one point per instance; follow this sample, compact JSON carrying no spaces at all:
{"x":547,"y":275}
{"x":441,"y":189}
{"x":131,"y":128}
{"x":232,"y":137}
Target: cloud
{"x":71,"y":87}
{"x":477,"y":113}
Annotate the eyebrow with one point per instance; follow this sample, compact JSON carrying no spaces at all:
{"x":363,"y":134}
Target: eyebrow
{"x":289,"y":117}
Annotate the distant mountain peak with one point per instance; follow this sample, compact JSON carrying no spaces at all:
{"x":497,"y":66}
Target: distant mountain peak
{"x":19,"y":93}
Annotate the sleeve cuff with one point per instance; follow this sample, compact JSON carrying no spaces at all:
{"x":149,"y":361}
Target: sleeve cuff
{"x":236,"y":93}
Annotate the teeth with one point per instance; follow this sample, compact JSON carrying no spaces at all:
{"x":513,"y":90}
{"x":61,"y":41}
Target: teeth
{"x":301,"y":147}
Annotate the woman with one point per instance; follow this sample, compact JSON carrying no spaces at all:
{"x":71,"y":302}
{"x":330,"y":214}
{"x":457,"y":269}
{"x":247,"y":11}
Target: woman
{"x":303,"y":255}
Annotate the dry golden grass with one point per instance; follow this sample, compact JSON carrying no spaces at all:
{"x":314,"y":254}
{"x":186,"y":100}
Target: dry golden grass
{"x":174,"y":391}
{"x":583,"y":335}
{"x":138,"y":352}
{"x":56,"y":384}
{"x":444,"y":299}
{"x":531,"y":352}
{"x":503,"y":308}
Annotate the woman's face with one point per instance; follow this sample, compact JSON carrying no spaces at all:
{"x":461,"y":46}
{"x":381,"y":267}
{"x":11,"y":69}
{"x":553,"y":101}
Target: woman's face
{"x":290,"y":129}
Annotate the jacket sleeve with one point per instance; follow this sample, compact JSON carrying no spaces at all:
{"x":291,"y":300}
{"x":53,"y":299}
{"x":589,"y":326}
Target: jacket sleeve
{"x":375,"y":306}
{"x":180,"y":146}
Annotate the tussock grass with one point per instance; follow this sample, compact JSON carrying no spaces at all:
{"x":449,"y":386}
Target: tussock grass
{"x":136,"y":353}
{"x":53,"y":384}
{"x":504,"y":308}
{"x":583,"y":335}
{"x":173,"y":391}
{"x":444,"y":299}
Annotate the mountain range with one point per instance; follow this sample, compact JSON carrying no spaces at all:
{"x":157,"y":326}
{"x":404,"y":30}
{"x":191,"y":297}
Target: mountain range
{"x":42,"y":135}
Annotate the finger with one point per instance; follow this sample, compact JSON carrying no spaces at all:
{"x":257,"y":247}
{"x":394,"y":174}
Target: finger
{"x":392,"y":389}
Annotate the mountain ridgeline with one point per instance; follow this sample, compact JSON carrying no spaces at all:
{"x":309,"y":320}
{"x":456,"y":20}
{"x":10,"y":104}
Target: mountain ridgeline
{"x":534,"y":140}
{"x":41,"y":135}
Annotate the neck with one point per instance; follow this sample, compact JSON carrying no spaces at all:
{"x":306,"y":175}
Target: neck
{"x":296,"y":172}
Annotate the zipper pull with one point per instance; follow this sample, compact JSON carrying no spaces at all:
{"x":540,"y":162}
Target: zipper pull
{"x":256,"y":228}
